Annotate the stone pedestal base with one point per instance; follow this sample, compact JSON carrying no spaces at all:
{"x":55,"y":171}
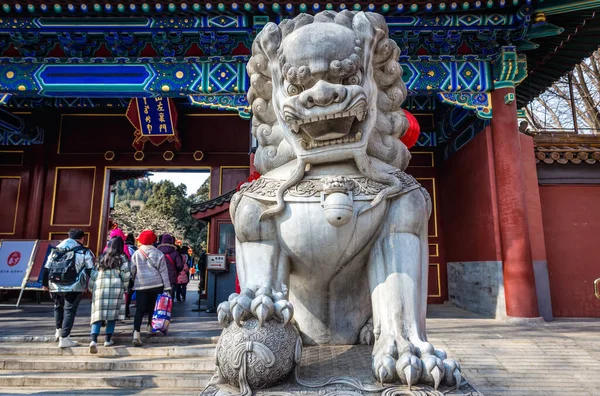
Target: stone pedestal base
{"x":337,"y":371}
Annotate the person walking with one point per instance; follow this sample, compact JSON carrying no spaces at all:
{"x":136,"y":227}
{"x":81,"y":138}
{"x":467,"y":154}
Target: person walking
{"x":66,"y":275}
{"x":183,"y":278}
{"x":108,"y":282}
{"x":174,"y":262}
{"x":118,"y":233}
{"x":150,"y":279}
{"x":193,"y":272}
{"x":130,"y":245}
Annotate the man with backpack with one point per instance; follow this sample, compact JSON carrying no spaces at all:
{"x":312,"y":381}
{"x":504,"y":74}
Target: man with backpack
{"x":66,"y":275}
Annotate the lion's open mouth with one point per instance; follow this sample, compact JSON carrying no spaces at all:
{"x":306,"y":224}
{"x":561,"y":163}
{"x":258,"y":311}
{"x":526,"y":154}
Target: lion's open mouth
{"x":329,"y":129}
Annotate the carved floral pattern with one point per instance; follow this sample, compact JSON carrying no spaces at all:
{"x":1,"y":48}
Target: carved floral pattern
{"x":359,"y":186}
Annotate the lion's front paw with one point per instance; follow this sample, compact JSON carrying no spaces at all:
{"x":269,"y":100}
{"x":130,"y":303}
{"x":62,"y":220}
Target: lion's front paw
{"x":413,"y":363}
{"x":262,"y":304}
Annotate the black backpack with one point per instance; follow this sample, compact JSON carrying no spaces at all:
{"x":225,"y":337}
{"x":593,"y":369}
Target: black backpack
{"x":62,"y":268}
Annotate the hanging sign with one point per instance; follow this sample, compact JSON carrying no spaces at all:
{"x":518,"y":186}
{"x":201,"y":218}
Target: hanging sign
{"x":216,"y":262}
{"x":15,"y":257}
{"x":155,"y":120}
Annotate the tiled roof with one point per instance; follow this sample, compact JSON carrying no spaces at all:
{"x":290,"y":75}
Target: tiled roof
{"x":565,"y":148}
{"x":557,"y":55}
{"x":213,"y":203}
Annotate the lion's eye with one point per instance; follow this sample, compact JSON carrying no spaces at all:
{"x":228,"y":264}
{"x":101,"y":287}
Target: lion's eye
{"x":293,"y":89}
{"x":352,"y":80}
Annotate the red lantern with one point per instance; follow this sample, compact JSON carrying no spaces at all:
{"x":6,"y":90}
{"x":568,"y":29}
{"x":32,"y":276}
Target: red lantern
{"x":412,"y":133}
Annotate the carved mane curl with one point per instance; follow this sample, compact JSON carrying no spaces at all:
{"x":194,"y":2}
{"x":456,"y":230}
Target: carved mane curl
{"x":384,"y":142}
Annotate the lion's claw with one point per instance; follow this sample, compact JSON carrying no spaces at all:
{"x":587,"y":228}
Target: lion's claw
{"x":240,"y":309}
{"x":452,"y":373}
{"x":262,"y":308}
{"x":409,"y":369}
{"x":262,"y":305}
{"x":384,"y":368}
{"x":433,"y":370}
{"x":224,"y":313}
{"x":284,"y":311}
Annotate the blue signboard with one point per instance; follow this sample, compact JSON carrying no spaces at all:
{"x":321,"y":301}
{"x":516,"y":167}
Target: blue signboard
{"x":155,"y":117}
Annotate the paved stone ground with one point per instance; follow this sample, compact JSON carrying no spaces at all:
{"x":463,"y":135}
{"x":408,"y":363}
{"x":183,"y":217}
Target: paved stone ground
{"x":499,"y":358}
{"x":556,"y":358}
{"x":37,"y":320}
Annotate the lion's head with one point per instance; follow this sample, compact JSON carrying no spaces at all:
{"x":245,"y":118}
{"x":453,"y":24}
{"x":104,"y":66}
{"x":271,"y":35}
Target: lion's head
{"x":328,"y":85}
{"x":327,"y":88}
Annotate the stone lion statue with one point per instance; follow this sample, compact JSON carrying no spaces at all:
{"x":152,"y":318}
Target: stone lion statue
{"x":334,"y":218}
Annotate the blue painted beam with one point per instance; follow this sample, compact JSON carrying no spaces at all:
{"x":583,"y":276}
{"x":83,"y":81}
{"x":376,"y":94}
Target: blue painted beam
{"x":239,"y":23}
{"x":180,"y":77}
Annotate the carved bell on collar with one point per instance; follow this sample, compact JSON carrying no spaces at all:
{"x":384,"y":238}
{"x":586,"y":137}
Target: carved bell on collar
{"x":336,"y":200}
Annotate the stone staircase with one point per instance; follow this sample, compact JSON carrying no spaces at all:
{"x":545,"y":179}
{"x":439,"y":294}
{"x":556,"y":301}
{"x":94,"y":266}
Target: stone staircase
{"x":40,"y":368}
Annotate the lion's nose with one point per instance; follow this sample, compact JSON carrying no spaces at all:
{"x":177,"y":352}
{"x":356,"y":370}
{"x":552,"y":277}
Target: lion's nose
{"x":323,"y":94}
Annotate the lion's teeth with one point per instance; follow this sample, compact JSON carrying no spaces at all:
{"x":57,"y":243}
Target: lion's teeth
{"x":295,"y":128}
{"x":358,"y":136}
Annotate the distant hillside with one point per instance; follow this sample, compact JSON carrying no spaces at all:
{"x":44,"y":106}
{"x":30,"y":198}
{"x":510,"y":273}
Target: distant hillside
{"x":134,"y":190}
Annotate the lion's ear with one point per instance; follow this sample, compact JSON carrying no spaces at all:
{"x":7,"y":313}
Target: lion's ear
{"x":269,"y":40}
{"x":368,"y":28}
{"x":377,"y":21}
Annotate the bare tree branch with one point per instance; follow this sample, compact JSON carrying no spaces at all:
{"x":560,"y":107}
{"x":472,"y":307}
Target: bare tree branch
{"x":580,"y":112}
{"x":588,"y":102}
{"x":533,"y":120}
{"x":553,"y":110}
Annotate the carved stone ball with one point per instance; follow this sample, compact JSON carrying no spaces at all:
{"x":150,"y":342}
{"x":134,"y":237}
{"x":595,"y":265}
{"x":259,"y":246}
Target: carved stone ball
{"x":338,"y":209}
{"x":268,"y":353}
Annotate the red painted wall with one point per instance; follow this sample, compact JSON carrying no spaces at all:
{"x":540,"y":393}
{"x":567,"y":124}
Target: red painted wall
{"x":469,"y":203}
{"x":571,"y":216}
{"x":64,"y":182}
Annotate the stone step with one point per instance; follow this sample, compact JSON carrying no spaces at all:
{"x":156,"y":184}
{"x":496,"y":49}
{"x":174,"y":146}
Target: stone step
{"x":103,"y":391}
{"x":107,"y":364}
{"x":85,"y":380}
{"x":120,"y":338}
{"x":51,"y":349}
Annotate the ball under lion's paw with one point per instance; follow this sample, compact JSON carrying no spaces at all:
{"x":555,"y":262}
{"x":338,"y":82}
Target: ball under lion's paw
{"x":267,"y":354}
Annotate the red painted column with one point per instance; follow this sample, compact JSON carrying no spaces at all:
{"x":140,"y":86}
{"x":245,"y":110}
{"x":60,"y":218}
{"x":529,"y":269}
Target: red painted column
{"x":36,"y":197}
{"x":519,"y":281}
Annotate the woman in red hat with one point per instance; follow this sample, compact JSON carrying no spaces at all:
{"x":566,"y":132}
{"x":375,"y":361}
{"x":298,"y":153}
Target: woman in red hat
{"x":151,"y":278}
